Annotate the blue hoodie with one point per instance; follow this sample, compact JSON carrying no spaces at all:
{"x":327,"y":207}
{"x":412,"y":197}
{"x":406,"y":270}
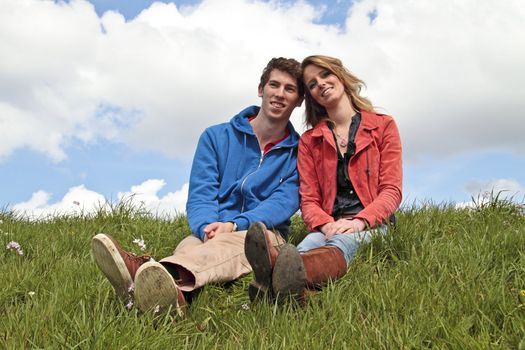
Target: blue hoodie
{"x":231,"y":181}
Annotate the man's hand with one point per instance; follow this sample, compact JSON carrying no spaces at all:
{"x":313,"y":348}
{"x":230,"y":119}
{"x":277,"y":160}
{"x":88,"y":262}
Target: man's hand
{"x":342,"y":226}
{"x":217,"y":227}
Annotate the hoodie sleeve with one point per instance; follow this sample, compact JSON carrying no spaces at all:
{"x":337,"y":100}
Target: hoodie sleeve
{"x":202,"y":206}
{"x":277,"y":208}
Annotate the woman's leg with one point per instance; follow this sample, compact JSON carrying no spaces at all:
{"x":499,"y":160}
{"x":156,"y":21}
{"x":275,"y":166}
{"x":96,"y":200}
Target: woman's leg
{"x":311,"y":241}
{"x":350,"y":242}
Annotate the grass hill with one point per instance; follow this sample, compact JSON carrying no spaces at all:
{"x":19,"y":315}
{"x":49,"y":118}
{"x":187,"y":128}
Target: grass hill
{"x":446,"y":278}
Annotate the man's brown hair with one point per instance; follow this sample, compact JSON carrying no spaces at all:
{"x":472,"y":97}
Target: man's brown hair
{"x":287,"y":65}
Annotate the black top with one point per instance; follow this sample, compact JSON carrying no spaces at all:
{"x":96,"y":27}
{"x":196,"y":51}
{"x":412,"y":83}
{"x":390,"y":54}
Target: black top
{"x":346,"y":201}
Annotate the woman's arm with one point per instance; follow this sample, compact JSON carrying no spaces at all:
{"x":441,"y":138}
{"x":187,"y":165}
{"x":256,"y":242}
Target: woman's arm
{"x":390,"y":178}
{"x":311,"y":199}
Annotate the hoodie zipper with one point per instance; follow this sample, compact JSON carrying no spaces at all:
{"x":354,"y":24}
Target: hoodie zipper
{"x":253,"y":172}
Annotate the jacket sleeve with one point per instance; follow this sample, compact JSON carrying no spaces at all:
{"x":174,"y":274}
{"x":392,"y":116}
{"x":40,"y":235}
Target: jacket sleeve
{"x":390,"y":179}
{"x":311,"y":205}
{"x":202,"y":206}
{"x":277,"y":208}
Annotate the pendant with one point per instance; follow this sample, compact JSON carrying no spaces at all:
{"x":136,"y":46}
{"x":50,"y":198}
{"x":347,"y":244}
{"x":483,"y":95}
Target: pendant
{"x":343,"y":143}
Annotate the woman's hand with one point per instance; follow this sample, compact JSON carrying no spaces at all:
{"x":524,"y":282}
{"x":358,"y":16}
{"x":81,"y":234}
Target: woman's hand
{"x":342,"y":226}
{"x":327,"y":230}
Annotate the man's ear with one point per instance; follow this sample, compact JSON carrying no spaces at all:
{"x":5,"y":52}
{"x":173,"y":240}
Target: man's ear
{"x":260,"y":91}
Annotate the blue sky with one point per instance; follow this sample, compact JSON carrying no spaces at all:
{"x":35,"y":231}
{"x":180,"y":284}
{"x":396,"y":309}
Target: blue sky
{"x":104,"y":99}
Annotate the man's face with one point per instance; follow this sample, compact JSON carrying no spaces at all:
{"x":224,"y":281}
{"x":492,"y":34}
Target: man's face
{"x":280,"y":95}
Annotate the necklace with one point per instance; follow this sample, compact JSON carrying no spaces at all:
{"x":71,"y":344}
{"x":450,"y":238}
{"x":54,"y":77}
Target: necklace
{"x":342,"y":141}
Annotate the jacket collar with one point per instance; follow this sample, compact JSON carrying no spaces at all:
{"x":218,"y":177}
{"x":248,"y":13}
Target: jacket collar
{"x":367,"y":123}
{"x":362,"y":139}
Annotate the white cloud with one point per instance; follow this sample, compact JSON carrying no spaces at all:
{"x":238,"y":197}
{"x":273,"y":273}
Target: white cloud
{"x":503,"y":187}
{"x":482,"y":192}
{"x":450,"y":72}
{"x":76,"y":201}
{"x":80,"y":200}
{"x":145,"y":195}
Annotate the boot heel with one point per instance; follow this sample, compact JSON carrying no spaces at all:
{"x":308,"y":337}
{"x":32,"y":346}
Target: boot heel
{"x":289,"y":275}
{"x":258,"y":292}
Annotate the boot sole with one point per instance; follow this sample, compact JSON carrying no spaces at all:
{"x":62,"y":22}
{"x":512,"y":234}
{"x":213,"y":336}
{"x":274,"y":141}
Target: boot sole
{"x":256,"y":251}
{"x":111,"y":264}
{"x":155,"y":289}
{"x":289,"y":276}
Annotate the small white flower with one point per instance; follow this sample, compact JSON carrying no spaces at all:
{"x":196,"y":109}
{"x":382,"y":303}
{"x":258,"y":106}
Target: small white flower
{"x":31,"y":293}
{"x":131,"y":288}
{"x":245,"y":306}
{"x":156,"y":309}
{"x":1,"y":222}
{"x":15,"y":246}
{"x":129,"y":305}
{"x":140,"y":243}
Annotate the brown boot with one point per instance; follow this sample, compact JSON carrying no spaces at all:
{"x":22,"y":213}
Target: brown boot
{"x":293,"y":272}
{"x":323,"y":265}
{"x":261,"y":255}
{"x":118,"y":265}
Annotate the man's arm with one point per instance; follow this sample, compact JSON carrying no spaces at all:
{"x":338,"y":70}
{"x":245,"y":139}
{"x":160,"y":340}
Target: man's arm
{"x":277,"y":208}
{"x":202,"y":206}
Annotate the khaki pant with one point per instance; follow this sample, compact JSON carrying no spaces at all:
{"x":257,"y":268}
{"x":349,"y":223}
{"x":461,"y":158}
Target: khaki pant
{"x":220,"y":259}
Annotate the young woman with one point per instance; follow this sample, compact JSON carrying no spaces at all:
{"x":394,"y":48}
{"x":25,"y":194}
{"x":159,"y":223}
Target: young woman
{"x":350,"y":172}
{"x":350,"y":177}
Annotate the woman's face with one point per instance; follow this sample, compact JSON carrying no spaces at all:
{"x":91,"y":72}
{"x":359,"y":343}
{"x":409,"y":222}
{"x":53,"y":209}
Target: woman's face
{"x":325,"y":88}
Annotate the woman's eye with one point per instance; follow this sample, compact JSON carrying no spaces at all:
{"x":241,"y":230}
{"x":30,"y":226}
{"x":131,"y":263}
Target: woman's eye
{"x":312,"y":85}
{"x":325,"y":74}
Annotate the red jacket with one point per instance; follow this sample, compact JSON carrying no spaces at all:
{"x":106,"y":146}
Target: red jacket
{"x":375,"y":171}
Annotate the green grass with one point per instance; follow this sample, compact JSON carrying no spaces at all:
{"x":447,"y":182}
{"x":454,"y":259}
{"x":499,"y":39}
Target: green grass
{"x":445,"y":279}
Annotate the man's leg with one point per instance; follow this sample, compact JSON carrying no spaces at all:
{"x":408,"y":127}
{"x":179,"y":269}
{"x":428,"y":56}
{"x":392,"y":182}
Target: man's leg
{"x":193,"y":264}
{"x":220,"y":259}
{"x":187,"y":244}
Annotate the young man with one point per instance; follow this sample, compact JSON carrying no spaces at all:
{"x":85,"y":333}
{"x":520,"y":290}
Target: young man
{"x":243,"y":172}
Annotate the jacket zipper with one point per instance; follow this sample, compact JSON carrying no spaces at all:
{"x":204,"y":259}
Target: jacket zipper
{"x":368,"y":174}
{"x":253,"y":172}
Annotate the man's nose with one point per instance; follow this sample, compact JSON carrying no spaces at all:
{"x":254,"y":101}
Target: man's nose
{"x":279,"y":92}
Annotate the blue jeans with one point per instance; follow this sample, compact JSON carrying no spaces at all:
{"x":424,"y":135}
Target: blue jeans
{"x":347,"y":243}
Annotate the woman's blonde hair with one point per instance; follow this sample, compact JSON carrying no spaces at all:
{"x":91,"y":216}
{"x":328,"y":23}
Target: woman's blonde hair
{"x":352,"y":84}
